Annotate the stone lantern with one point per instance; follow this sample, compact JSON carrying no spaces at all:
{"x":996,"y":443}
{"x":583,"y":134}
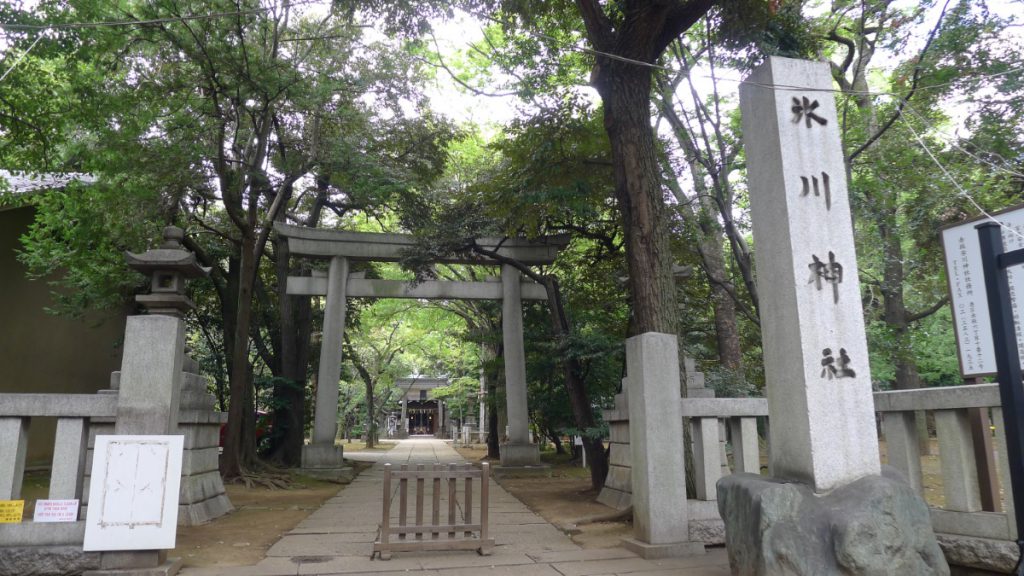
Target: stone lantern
{"x":168,"y":267}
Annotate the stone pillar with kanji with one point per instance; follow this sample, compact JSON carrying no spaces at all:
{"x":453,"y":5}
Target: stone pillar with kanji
{"x":826,"y":482}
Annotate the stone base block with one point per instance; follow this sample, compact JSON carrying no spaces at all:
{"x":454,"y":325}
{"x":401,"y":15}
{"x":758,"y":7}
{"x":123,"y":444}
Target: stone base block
{"x":519,"y":454}
{"x":199,"y":460}
{"x":200,"y":487}
{"x":322,"y":456}
{"x":615,"y":498}
{"x":202,"y":512}
{"x":655,"y":551}
{"x":168,"y":568}
{"x":875,"y":525}
{"x":342,"y":475}
{"x":22,"y":560}
{"x":979,"y":555}
{"x":540,"y":470}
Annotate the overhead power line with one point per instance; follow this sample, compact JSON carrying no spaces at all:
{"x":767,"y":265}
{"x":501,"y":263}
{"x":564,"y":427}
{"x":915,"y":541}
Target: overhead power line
{"x":953,"y":181}
{"x":22,"y":57}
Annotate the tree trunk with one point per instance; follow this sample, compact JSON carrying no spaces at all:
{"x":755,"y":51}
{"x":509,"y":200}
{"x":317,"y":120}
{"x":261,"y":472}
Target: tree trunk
{"x":625,"y":91}
{"x":239,"y":443}
{"x":556,"y":440}
{"x":896,"y":316}
{"x":371,"y":421}
{"x":727,"y":330}
{"x":492,"y":425}
{"x":296,"y":331}
{"x":371,"y":424}
{"x":290,"y":393}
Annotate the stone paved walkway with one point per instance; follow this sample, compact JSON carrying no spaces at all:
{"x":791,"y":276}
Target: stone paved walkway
{"x":338,"y":538}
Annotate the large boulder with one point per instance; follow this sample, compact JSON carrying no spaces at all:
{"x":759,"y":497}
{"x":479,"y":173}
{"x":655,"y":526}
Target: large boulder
{"x":874,"y":526}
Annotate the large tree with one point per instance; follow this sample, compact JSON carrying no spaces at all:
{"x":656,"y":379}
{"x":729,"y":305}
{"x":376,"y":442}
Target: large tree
{"x":224,"y":117}
{"x":628,"y":39}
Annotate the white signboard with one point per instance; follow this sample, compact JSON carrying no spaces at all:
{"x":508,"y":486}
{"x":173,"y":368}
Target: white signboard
{"x":56,"y":511}
{"x":967,"y":290}
{"x":133,"y":495}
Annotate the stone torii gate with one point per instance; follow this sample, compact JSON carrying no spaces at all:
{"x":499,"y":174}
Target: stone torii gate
{"x":341,"y":247}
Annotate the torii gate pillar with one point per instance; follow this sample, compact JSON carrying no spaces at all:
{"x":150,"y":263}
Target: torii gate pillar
{"x":322,"y":454}
{"x":518,"y":451}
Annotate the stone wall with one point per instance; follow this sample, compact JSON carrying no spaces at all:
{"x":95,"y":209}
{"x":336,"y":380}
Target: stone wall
{"x":202,"y":496}
{"x":617,"y":491}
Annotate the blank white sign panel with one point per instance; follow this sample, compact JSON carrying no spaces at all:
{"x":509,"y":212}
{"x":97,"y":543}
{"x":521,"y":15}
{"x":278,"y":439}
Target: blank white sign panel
{"x":133,"y":495}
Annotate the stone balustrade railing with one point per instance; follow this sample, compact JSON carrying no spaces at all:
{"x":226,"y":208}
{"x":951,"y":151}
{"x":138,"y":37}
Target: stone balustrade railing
{"x":974,"y":528}
{"x":73,"y":412}
{"x":80,"y":418}
{"x":712,"y":420}
{"x":726,"y":439}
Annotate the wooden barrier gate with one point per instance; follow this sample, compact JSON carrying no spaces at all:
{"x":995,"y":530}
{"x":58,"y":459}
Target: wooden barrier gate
{"x":456,"y":536}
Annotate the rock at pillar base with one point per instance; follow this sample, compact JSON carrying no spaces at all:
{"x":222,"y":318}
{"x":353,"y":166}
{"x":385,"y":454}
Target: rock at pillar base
{"x":876,"y":525}
{"x":325,"y":461}
{"x":519,"y":454}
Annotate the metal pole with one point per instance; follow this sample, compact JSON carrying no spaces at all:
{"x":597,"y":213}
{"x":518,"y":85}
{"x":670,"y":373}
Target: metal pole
{"x":1004,"y":340}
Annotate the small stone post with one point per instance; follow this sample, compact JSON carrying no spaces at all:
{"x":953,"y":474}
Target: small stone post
{"x":660,"y":526}
{"x":404,"y":428}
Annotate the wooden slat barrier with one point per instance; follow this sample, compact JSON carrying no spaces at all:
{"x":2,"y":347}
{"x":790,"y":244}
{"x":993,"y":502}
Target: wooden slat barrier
{"x":453,"y":535}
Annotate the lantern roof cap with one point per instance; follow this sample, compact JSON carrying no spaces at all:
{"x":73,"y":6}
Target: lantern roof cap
{"x":171,"y":256}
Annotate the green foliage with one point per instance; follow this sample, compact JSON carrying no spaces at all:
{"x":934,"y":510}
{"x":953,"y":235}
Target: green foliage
{"x":85,"y":230}
{"x":751,"y":30}
{"x":899,"y":196}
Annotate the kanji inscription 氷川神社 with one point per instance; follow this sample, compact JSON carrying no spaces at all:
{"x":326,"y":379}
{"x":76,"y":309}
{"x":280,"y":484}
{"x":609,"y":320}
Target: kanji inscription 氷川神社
{"x":824,"y":185}
{"x":833,"y":368}
{"x":815,"y":348}
{"x":803,"y":109}
{"x":830,"y":272}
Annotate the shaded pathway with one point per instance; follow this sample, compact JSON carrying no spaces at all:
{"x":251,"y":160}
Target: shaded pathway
{"x":338,"y":538}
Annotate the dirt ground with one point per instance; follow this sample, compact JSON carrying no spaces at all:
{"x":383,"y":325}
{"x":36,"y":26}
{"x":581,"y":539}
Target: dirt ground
{"x":564,"y":499}
{"x":262,"y":515}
